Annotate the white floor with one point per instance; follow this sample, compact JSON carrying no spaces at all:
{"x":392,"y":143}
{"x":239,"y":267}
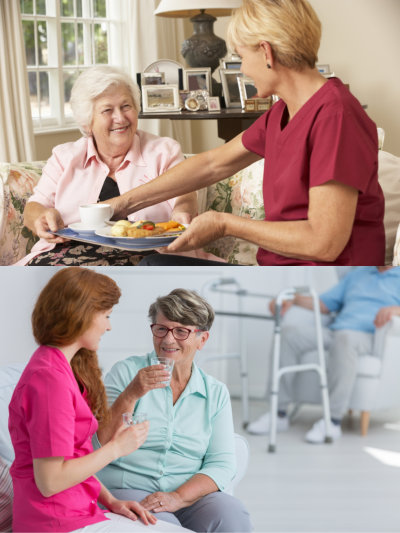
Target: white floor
{"x":352,"y":485}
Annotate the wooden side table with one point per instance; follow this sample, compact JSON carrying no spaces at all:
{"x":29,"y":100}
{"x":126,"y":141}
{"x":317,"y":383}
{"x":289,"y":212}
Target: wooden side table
{"x":231,"y":122}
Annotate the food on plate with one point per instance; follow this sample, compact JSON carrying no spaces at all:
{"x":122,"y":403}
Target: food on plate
{"x":144,"y":228}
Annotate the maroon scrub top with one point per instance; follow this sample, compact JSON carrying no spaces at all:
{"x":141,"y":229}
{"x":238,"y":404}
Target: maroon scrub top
{"x":330,"y":138}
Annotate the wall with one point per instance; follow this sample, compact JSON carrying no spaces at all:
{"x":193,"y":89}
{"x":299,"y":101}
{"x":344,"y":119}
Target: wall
{"x":361,"y":43}
{"x":130,"y":332}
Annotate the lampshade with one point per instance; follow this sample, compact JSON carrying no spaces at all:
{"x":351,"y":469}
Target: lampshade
{"x":179,"y":8}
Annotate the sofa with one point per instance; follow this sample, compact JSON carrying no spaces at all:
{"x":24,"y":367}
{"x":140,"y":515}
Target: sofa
{"x":9,"y":377}
{"x":240,"y":194}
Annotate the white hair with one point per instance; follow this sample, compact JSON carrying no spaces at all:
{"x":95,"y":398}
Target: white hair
{"x":91,"y":84}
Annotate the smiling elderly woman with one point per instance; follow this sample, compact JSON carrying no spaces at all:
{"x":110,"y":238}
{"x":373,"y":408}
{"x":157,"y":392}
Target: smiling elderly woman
{"x":188,"y":457}
{"x":111,"y":158}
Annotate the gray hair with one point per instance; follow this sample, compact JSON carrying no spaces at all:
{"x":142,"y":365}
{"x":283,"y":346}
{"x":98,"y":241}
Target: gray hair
{"x":91,"y":84}
{"x":184,"y":306}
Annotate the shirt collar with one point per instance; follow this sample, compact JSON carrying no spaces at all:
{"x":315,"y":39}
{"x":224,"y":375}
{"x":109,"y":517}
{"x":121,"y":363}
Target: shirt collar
{"x":196,"y":383}
{"x":133,"y":155}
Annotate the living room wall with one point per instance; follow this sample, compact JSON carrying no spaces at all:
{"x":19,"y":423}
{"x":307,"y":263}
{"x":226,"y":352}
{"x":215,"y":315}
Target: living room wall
{"x":360,"y":42}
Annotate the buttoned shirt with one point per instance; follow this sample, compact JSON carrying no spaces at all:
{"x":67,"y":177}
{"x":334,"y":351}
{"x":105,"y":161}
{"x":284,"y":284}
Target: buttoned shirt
{"x":359,"y":295}
{"x":74,"y":175}
{"x":193,"y":436}
{"x":49,"y":417}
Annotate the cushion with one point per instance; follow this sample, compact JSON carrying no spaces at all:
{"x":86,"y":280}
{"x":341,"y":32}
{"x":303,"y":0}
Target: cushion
{"x":389,"y":179}
{"x":9,"y":377}
{"x":16,"y":186}
{"x":6,"y":496}
{"x":241,"y":194}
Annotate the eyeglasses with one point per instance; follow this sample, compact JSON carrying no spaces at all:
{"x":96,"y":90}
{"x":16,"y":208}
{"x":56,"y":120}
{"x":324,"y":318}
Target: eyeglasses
{"x":180,"y":334}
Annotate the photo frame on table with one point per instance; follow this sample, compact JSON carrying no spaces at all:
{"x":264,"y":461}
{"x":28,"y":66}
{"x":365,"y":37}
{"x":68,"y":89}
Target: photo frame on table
{"x":231,"y":64}
{"x":230,"y":86}
{"x":247,"y":90}
{"x":152,"y":78}
{"x":197,"y":79}
{"x":160,"y":98}
{"x":213,"y":104}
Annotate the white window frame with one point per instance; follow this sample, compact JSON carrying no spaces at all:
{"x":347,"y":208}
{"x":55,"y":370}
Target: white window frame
{"x":114,"y":22}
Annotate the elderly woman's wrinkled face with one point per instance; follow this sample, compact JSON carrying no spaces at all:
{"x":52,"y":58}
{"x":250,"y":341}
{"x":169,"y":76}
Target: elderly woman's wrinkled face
{"x":178,"y":350}
{"x":114,"y":120}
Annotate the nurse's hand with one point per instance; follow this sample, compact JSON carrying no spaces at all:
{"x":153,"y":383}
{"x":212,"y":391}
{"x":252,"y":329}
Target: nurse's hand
{"x":205,"y":228}
{"x":128,"y":439}
{"x":132,"y":510}
{"x":49,"y":220}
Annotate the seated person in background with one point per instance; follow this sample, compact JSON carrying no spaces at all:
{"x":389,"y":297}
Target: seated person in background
{"x":189,"y":455}
{"x":55,"y":410}
{"x":365,"y":299}
{"x":111,"y":158}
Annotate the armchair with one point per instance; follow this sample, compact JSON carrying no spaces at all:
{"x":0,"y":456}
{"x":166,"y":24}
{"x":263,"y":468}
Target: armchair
{"x":376,"y":386}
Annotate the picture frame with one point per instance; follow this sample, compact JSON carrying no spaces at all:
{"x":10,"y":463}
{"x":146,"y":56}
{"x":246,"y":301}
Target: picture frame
{"x":160,"y":98}
{"x":152,"y":78}
{"x":231,"y":64}
{"x":214,"y":104}
{"x":230,"y":86}
{"x":197,"y":79}
{"x":247,"y":89}
{"x":323,"y":69}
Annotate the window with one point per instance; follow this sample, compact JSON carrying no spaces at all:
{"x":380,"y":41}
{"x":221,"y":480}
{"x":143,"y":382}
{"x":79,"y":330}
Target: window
{"x":62,"y":38}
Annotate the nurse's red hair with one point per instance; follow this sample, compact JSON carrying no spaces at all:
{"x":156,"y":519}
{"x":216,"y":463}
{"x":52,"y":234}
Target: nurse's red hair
{"x":64,"y":310}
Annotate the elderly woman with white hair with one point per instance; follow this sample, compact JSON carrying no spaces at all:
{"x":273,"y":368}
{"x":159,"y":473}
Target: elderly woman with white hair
{"x":111,"y":158}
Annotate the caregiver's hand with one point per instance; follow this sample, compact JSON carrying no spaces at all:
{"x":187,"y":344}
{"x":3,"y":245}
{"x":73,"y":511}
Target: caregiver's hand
{"x":49,"y":220}
{"x":205,"y":228}
{"x":132,"y":510}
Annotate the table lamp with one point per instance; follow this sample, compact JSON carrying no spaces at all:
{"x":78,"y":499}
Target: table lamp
{"x":203,"y":48}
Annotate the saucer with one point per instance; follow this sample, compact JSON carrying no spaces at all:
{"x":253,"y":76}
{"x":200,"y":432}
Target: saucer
{"x":80,"y":227}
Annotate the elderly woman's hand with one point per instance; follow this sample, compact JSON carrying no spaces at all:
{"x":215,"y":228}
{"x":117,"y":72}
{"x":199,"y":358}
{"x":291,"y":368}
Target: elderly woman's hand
{"x":149,"y":378}
{"x":163,"y":501}
{"x":49,"y":220}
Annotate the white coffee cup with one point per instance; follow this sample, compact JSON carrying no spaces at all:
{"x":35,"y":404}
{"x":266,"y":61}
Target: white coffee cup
{"x":95,"y":215}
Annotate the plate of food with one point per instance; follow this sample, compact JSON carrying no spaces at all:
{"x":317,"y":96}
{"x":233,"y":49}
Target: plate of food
{"x":143,"y":232}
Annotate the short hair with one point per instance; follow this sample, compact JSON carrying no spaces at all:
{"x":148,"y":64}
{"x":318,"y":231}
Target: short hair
{"x":92,"y":83}
{"x":184,"y":306}
{"x":291,"y":27}
{"x":64,"y":310}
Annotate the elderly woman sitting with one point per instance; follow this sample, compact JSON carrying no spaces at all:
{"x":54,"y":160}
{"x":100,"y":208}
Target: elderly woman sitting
{"x":111,"y":158}
{"x":188,"y":457}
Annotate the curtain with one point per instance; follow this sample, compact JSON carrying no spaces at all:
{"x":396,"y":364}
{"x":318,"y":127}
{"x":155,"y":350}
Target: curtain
{"x":16,"y":128}
{"x":152,"y":38}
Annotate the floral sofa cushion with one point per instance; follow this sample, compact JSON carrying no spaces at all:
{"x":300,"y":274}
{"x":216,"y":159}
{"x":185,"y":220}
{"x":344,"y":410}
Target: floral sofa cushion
{"x":16,"y":186}
{"x":241,"y":194}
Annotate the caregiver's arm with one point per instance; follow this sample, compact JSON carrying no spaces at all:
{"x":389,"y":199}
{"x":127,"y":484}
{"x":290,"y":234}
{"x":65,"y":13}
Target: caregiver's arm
{"x":194,"y":173}
{"x":185,"y":208}
{"x":321,"y":237}
{"x":55,"y":474}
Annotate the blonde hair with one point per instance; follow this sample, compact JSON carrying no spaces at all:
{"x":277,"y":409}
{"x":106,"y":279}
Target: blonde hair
{"x":92,"y":83}
{"x":291,"y":27}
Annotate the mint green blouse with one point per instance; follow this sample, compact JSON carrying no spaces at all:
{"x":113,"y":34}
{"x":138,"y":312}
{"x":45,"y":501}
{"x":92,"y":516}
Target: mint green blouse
{"x":194,"y":436}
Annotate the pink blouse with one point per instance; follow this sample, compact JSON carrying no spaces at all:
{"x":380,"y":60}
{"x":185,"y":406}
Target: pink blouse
{"x":74,"y":175}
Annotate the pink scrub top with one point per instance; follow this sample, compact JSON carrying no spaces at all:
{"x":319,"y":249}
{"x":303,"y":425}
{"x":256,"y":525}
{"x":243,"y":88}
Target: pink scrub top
{"x":49,"y":417}
{"x":330,"y":138}
{"x":74,"y":175}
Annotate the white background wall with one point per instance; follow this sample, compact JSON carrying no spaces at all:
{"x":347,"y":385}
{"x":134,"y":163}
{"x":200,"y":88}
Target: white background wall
{"x":130,"y":332}
{"x":361,"y":43}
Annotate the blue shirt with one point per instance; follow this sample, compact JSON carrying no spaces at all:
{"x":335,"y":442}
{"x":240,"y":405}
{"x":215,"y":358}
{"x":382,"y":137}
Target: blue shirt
{"x":359,"y":295}
{"x":194,"y":436}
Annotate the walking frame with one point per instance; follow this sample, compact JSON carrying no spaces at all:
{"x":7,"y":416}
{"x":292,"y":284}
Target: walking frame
{"x":222,"y":285}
